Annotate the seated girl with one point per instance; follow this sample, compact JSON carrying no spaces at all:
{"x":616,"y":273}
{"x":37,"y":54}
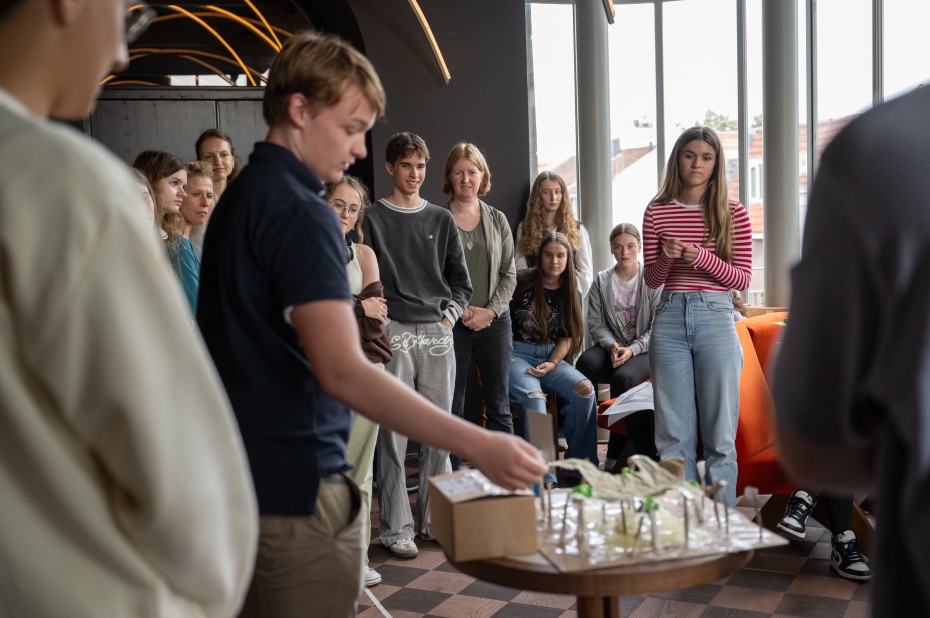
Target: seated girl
{"x":620,"y":308}
{"x":548,"y":329}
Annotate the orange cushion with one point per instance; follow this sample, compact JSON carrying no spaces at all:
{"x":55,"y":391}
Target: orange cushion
{"x":755,"y":434}
{"x":618,"y":427}
{"x":764,"y":472}
{"x":766,"y":332}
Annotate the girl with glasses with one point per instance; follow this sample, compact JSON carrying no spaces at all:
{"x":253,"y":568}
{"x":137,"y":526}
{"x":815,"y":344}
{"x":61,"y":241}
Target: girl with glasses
{"x":348,"y":199}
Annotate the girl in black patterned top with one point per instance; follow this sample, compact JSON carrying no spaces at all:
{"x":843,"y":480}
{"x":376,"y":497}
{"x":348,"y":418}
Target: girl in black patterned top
{"x":548,"y":329}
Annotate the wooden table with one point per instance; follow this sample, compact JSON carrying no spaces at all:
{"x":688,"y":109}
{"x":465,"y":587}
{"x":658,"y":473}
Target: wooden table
{"x":599,"y":591}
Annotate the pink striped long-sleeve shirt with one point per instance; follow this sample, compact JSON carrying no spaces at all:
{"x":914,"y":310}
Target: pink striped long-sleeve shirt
{"x":707,"y":272}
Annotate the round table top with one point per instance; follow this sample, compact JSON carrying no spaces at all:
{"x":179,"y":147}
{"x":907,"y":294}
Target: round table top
{"x":612,"y":581}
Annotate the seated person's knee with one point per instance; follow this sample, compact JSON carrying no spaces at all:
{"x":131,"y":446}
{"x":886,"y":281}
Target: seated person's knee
{"x":584,"y":389}
{"x":536,"y":401}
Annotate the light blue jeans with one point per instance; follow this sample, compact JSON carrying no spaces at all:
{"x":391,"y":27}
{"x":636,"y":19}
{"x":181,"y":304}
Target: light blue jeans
{"x":580,"y":411}
{"x":696,"y":360}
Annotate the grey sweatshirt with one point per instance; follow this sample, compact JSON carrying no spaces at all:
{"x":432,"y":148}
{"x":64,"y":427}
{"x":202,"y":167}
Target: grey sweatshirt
{"x":421,"y":261}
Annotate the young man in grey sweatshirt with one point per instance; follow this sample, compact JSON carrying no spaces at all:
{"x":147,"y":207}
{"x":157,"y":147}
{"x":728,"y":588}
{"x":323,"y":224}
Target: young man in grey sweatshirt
{"x":427,"y":287}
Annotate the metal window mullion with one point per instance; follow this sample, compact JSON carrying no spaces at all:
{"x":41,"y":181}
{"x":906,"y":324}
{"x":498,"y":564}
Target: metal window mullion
{"x":813,"y":158}
{"x":878,"y":52}
{"x":660,"y":90}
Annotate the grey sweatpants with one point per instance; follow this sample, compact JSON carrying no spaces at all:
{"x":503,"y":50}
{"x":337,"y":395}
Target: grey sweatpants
{"x":425,"y":361}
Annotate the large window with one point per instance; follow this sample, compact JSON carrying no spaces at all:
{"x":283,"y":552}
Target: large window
{"x":552,"y":87}
{"x":700,"y":66}
{"x":844,"y":59}
{"x":633,"y":111}
{"x":699,"y":72}
{"x":907,"y":46}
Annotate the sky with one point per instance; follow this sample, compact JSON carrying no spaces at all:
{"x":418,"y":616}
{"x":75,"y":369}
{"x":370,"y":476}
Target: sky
{"x":700,"y":63}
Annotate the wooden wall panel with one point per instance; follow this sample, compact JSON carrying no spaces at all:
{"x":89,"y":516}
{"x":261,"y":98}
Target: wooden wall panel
{"x":244,"y":123}
{"x":129,"y":127}
{"x":130,"y":120}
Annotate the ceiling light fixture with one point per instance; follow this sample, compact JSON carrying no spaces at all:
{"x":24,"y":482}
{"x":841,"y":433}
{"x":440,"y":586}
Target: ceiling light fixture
{"x":437,"y":53}
{"x":261,"y":16}
{"x":275,"y":45}
{"x":142,"y":52}
{"x":219,"y":38}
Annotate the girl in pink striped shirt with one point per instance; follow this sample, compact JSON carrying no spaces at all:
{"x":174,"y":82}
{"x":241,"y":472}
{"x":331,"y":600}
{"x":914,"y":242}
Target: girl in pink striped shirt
{"x":698,"y":244}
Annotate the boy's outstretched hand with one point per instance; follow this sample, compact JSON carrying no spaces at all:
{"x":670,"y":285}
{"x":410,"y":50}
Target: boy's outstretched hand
{"x":508,"y":461}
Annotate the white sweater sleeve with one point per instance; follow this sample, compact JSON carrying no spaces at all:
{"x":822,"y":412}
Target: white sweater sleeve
{"x":583,"y":263}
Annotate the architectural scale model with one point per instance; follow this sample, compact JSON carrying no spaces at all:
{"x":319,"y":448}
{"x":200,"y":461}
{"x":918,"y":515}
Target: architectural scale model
{"x":647,"y":513}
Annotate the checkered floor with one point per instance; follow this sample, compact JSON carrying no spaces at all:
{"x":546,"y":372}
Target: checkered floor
{"x":793,"y":580}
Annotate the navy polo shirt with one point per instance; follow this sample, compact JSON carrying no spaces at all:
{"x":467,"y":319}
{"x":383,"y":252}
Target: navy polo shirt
{"x":273,"y":243}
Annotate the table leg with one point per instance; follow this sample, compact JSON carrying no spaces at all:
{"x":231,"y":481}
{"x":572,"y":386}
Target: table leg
{"x":598,"y":607}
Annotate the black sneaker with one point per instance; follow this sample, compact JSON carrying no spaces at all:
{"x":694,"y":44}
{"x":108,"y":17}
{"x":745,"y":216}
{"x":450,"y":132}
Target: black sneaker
{"x":800,"y":505}
{"x":847,"y":560}
{"x":568,"y":479}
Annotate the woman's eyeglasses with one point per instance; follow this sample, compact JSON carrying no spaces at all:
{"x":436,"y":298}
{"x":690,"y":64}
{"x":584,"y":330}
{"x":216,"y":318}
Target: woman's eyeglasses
{"x":138,"y":18}
{"x":339,"y":207}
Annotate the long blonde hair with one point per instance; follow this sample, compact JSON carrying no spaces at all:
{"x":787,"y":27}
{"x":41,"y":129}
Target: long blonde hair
{"x":715,"y":205}
{"x":534,"y":223}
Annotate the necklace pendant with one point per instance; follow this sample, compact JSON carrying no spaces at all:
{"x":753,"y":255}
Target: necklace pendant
{"x":469,"y":244}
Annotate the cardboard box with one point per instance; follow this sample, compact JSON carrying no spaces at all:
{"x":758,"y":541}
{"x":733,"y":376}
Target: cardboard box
{"x":473,"y":519}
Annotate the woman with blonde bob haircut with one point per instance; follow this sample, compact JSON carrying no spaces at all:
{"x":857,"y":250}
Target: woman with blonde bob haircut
{"x":195,"y":209}
{"x":484,"y":331}
{"x":549,"y":210}
{"x":698,"y":244}
{"x":465,"y":150}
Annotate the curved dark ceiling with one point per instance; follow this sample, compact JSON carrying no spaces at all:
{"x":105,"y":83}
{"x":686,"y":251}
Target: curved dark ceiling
{"x":222,"y":36}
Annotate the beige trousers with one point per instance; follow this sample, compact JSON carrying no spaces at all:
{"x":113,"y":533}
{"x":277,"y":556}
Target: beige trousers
{"x":310,"y":566}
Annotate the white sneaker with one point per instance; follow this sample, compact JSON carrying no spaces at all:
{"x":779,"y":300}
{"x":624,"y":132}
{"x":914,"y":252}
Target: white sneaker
{"x":404,"y":548}
{"x":370,"y":577}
